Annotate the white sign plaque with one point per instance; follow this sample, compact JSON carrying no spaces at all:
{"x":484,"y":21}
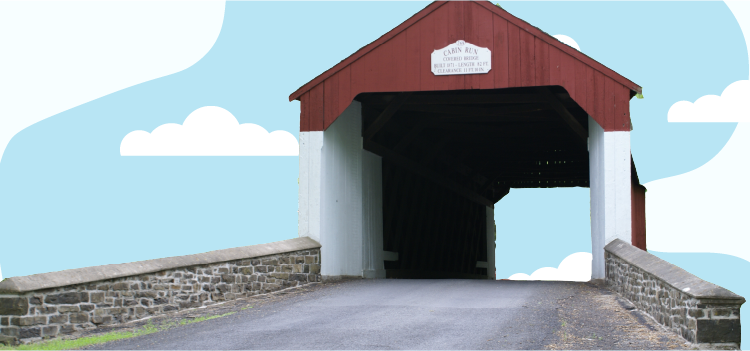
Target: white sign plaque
{"x":461,"y":58}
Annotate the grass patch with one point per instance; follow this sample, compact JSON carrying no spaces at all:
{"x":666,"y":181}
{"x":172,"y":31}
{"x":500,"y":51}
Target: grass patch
{"x":149,"y":328}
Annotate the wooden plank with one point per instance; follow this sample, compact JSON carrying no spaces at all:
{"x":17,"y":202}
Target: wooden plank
{"x":566,"y":116}
{"x":345,"y":90}
{"x":386,"y":115}
{"x":528,"y":64}
{"x":454,"y":25}
{"x":541,"y":60}
{"x":413,"y":167}
{"x":598,"y":114}
{"x":469,"y":37}
{"x":304,"y":116}
{"x":500,"y":55}
{"x":568,"y":72}
{"x":609,"y":104}
{"x":331,"y":101}
{"x":590,"y":91}
{"x":514,"y":56}
{"x":622,"y":108}
{"x":427,"y":39}
{"x":483,"y":37}
{"x":317,"y":107}
{"x":580,"y":78}
{"x":555,"y":74}
{"x":413,"y":62}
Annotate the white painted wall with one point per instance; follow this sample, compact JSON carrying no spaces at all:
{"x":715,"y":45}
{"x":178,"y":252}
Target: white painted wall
{"x":491,"y":243}
{"x":341,"y":195}
{"x":310,"y":154}
{"x":609,"y":176}
{"x":372,"y":215}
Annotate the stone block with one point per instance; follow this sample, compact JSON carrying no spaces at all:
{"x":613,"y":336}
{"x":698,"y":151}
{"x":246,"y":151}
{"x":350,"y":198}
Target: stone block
{"x":261,"y":278}
{"x":168,"y":308}
{"x":270,"y":262}
{"x":145,"y":302}
{"x":204,"y":279}
{"x":29,"y":320}
{"x":309,"y":259}
{"x":223,"y":288}
{"x":223,"y":270}
{"x":280,"y":275}
{"x":120,"y":286}
{"x":146,"y":294}
{"x":189,"y":304}
{"x":50,"y":330}
{"x":315,"y":268}
{"x":8,"y":340}
{"x":261,"y":269}
{"x":25,"y":333}
{"x":67,"y":329}
{"x":14,"y":306}
{"x":4,"y":321}
{"x":101,"y":320}
{"x":297,"y":268}
{"x":12,"y":331}
{"x":215,"y":280}
{"x":96,"y":297}
{"x":246,"y":270}
{"x":58,"y":319}
{"x":718,"y":331}
{"x":68,"y":308}
{"x":36,"y":300}
{"x":79,"y":317}
{"x":160,"y":286}
{"x":286,"y":268}
{"x":68,"y":298}
{"x":130,"y":302}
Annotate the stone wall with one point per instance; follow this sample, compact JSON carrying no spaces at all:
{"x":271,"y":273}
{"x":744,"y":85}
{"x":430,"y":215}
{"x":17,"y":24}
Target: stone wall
{"x":30,"y":310}
{"x":702,"y":313}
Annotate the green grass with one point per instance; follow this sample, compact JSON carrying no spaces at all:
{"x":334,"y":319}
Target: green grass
{"x":149,"y":328}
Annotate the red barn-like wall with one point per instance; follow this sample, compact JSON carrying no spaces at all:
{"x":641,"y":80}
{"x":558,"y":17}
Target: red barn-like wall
{"x":522,"y":56}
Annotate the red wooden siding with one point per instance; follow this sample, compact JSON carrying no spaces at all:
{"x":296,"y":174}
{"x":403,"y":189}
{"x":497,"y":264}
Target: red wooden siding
{"x":637,"y":209}
{"x":521,"y":56}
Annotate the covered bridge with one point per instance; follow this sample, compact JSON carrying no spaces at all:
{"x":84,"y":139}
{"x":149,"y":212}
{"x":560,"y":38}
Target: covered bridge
{"x":406,"y":145}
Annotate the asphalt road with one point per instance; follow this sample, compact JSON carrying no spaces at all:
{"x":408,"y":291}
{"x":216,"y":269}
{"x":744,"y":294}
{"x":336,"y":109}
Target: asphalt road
{"x":382,"y":314}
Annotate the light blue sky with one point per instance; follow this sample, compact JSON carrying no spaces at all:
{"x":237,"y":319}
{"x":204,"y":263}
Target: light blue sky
{"x":68,"y":199}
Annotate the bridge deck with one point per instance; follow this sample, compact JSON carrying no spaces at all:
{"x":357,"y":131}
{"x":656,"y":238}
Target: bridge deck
{"x":420,"y":314}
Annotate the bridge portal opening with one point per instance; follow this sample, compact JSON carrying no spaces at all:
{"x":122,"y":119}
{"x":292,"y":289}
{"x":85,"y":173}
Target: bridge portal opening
{"x":449,"y":156}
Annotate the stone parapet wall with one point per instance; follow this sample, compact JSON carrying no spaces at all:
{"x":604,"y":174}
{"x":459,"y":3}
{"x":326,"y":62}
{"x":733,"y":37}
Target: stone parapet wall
{"x":702,"y":313}
{"x":31,"y":315}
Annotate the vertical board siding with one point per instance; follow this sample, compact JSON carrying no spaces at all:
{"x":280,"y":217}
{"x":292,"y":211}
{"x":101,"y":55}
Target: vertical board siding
{"x":609,"y":104}
{"x":427,"y":46}
{"x":580,"y":78}
{"x":345,"y":89}
{"x":500,"y":55}
{"x":331,"y":99}
{"x":413,"y":63}
{"x":519,"y":59}
{"x":317,"y":107}
{"x":638,"y":215}
{"x":528,"y":66}
{"x":568,"y":72}
{"x":482,"y":36}
{"x":514,"y":56}
{"x":541,"y":60}
{"x":598,"y":115}
{"x":622,"y":108}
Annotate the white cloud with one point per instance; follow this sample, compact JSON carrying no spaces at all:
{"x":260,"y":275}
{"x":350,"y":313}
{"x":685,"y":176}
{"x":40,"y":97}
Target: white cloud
{"x":209,"y":131}
{"x":59,"y":55}
{"x":706,"y":209}
{"x":731,"y":106}
{"x":576,"y":267}
{"x":567,"y":40}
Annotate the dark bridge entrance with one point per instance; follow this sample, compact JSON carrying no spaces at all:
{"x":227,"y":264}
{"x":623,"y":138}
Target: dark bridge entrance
{"x":449,"y":155}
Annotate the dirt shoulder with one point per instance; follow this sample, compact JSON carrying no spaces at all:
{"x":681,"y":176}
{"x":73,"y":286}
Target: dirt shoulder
{"x":596,"y":318}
